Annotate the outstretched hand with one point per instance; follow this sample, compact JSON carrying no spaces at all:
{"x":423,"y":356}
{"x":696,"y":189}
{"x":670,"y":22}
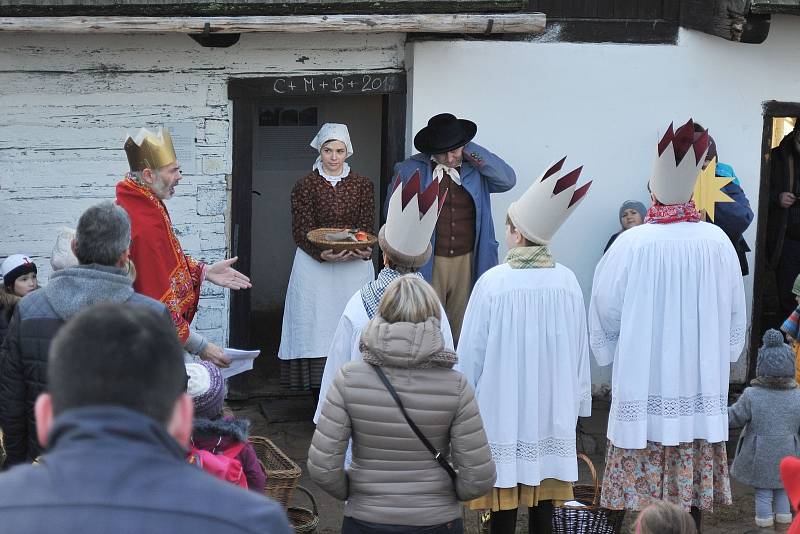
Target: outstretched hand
{"x":222,"y":274}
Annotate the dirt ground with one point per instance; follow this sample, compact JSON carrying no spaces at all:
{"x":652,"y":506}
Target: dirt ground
{"x":294,"y":437}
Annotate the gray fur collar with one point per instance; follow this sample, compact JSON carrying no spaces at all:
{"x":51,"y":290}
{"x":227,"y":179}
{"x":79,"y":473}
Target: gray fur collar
{"x":238,"y":429}
{"x":74,"y":289}
{"x":772,"y":382}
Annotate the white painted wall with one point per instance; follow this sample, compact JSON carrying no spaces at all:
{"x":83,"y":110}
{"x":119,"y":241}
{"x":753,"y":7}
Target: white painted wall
{"x":604,"y":106}
{"x":66,"y":102}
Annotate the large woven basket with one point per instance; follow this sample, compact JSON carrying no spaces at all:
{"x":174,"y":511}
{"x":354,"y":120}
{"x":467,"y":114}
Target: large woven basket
{"x":282,"y":473}
{"x":591,"y":518}
{"x":304,"y":520}
{"x":318,"y":238}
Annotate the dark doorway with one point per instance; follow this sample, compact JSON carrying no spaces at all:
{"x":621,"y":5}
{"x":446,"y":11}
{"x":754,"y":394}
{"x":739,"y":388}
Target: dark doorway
{"x":274,"y":121}
{"x":779,"y":119}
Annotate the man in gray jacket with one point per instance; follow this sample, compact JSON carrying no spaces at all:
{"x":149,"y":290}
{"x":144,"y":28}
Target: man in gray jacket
{"x":116,"y":419}
{"x":101,"y":245}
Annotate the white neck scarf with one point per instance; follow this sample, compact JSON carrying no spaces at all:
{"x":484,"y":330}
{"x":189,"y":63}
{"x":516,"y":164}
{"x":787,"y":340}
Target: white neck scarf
{"x":440,"y":170}
{"x":333,"y":180}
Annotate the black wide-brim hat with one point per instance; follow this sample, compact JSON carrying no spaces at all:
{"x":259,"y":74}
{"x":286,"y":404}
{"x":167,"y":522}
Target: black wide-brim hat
{"x":443,"y":133}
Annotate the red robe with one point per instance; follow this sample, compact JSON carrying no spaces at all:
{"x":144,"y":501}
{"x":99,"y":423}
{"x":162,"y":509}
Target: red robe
{"x":163,"y":271}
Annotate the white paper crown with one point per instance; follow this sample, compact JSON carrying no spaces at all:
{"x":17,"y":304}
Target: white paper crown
{"x":412,"y":216}
{"x":679,"y":159}
{"x":543,"y":208}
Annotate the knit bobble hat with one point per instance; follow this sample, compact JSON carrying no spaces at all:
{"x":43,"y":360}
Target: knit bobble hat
{"x":206,"y":387}
{"x":15,"y":266}
{"x":775,"y":358}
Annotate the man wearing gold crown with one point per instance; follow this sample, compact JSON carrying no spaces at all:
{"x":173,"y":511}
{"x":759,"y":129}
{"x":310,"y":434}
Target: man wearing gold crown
{"x":464,"y":246}
{"x":405,"y":242}
{"x":164,"y":272}
{"x":668,"y":310}
{"x":524,"y":349}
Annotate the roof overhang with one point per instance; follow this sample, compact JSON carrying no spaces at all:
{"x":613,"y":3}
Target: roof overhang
{"x":484,"y":23}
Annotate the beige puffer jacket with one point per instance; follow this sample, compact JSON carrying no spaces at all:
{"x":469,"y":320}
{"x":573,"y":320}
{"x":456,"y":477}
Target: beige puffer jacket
{"x":393,"y":479}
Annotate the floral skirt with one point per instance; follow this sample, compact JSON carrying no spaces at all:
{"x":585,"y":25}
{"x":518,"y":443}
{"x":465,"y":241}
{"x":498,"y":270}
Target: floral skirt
{"x":689,"y":475}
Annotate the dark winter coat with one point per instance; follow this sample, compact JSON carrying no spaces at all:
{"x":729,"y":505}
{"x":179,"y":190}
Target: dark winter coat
{"x":110,"y":469}
{"x":220,"y":435}
{"x":782,"y":222}
{"x":38,"y":317}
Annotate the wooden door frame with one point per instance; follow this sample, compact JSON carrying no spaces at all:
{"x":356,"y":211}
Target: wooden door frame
{"x":245,"y":94}
{"x":771,"y":110}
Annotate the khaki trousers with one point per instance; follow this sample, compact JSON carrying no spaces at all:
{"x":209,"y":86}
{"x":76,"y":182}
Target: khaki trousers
{"x":452,"y":281}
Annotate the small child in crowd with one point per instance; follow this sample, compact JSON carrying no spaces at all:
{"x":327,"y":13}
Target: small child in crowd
{"x":216,"y":430}
{"x":19,"y":279}
{"x":663,"y":517}
{"x":769,"y":410}
{"x":791,"y":327}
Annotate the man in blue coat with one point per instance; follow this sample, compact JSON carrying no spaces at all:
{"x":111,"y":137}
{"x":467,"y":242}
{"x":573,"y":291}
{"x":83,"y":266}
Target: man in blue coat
{"x":116,"y":420}
{"x":464,"y":244}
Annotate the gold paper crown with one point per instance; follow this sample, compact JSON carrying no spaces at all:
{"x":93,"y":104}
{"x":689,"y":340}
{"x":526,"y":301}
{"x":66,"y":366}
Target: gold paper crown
{"x":149,"y":150}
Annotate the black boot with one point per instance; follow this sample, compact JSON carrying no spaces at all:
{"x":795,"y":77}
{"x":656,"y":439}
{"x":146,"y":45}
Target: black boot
{"x":540,"y":518}
{"x":503,"y":522}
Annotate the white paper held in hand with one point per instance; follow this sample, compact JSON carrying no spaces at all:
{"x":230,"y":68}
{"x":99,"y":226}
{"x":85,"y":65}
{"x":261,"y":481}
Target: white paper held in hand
{"x":241,"y":361}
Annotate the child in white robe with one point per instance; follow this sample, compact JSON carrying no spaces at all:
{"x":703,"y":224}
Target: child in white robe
{"x":524,"y":348}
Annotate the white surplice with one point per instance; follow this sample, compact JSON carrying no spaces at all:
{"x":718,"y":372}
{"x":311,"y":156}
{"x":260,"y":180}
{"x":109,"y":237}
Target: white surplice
{"x":668,"y":309}
{"x":524,"y":349}
{"x":345,"y":345}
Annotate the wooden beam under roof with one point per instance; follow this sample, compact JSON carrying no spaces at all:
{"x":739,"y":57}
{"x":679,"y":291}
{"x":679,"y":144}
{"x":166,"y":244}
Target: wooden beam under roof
{"x":500,"y":23}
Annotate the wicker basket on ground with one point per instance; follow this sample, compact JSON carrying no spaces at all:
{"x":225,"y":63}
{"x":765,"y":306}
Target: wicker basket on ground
{"x":590,"y":518}
{"x":318,"y":238}
{"x":303,"y":520}
{"x":282,"y":473}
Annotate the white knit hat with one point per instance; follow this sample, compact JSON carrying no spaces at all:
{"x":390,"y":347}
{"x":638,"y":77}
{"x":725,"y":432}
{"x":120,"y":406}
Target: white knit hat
{"x":15,"y":266}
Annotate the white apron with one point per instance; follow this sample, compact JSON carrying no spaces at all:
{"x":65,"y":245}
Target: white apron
{"x":317,"y":295}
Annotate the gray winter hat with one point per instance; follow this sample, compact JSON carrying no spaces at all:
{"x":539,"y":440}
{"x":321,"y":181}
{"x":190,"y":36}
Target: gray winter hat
{"x":775,"y":358}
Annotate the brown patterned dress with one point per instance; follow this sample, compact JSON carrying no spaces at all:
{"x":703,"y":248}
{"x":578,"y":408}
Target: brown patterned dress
{"x":319,"y":290}
{"x":317,"y":204}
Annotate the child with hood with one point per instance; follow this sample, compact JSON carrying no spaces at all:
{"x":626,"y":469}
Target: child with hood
{"x":769,"y":410}
{"x":216,"y":431}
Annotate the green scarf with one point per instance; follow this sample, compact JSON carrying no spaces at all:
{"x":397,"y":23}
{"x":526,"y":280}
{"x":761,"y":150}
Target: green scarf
{"x":535,"y":257}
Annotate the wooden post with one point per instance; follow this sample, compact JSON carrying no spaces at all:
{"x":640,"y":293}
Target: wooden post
{"x":414,"y":23}
{"x":723,"y":18}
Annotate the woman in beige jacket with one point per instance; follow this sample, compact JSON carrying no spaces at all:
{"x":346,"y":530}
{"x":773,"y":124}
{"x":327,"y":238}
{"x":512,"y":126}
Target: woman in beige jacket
{"x":394,"y":484}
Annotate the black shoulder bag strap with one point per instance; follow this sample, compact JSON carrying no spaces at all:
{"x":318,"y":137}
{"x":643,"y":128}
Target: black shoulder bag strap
{"x":436,"y":454}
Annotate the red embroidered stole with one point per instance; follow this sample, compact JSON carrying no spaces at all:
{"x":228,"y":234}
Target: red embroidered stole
{"x":163,"y":271}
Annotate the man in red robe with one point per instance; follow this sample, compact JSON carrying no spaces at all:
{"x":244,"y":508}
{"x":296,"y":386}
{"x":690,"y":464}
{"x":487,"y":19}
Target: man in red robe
{"x":164,"y":271}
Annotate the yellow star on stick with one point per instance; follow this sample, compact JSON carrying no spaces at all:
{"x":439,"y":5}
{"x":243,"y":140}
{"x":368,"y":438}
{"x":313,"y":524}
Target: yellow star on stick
{"x":708,"y":189}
